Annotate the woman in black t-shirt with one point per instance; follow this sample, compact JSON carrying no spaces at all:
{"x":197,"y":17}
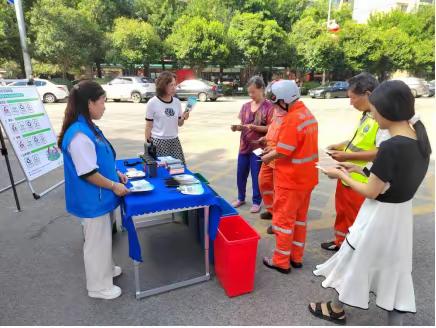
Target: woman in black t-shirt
{"x":377,"y":254}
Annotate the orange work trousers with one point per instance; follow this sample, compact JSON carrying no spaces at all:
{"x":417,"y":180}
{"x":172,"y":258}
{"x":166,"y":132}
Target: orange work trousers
{"x":348,"y":203}
{"x":289,"y":225}
{"x":266,"y":186}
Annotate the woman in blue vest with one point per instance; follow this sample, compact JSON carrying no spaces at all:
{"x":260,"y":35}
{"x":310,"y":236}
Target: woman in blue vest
{"x":92,"y":184}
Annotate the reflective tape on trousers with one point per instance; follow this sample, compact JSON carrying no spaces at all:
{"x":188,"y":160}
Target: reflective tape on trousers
{"x":339,"y":233}
{"x":283,"y":252}
{"x":306,"y":123}
{"x":286,"y":231}
{"x":300,"y":223}
{"x":296,"y":243}
{"x":268,"y":193}
{"x":305,"y":159}
{"x":285,"y":146}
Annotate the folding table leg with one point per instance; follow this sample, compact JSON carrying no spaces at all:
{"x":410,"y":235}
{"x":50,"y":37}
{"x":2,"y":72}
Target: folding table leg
{"x":206,"y":240}
{"x":137,"y":282}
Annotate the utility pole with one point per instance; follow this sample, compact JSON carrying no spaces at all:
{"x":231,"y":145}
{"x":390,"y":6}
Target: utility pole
{"x":22,"y":31}
{"x":327,"y":26}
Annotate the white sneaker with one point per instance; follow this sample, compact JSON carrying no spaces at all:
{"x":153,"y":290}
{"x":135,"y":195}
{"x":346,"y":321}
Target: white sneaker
{"x":116,"y":271}
{"x":106,"y":294}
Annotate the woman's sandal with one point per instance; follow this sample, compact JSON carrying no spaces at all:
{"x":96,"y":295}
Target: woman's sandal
{"x":338,"y":318}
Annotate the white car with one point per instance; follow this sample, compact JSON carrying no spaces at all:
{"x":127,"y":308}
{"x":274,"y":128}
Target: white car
{"x":48,"y":91}
{"x":135,"y":88}
{"x":418,"y":86}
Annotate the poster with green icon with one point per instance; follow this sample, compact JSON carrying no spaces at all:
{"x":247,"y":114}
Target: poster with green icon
{"x":29,"y":130}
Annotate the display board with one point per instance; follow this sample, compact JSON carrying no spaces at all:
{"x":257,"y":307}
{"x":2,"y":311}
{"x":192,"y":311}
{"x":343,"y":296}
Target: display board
{"x":29,"y":130}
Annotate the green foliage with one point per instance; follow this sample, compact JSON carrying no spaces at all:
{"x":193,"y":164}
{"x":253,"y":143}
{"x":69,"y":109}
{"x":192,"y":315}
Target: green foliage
{"x":63,"y":36}
{"x":9,"y":39}
{"x":195,"y":41}
{"x":134,"y":42}
{"x":258,"y":41}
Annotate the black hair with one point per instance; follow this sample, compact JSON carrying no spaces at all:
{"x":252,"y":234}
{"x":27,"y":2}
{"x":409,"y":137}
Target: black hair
{"x":78,"y":100}
{"x":362,"y":83}
{"x":395,"y":102}
{"x":257,"y":81}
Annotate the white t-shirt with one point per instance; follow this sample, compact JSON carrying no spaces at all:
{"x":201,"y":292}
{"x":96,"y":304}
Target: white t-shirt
{"x":382,"y":135}
{"x":83,"y":154}
{"x":165,"y":117}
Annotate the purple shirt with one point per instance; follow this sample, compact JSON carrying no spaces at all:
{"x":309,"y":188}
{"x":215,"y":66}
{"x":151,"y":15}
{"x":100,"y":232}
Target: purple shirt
{"x":261,"y":117}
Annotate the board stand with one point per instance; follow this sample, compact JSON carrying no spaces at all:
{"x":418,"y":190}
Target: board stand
{"x":4,"y":152}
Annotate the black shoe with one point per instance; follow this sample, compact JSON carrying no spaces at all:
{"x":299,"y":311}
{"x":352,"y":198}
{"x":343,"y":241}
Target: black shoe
{"x":266,"y":216}
{"x":330,"y":246}
{"x":270,"y":231}
{"x":296,"y":265}
{"x":268,"y":263}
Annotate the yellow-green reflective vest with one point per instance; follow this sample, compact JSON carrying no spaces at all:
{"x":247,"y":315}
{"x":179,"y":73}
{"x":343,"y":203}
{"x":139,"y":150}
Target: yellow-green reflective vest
{"x":364,"y":140}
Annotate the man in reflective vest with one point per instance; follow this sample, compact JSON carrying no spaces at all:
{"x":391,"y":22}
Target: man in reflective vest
{"x":295,"y":175}
{"x":360,"y":150}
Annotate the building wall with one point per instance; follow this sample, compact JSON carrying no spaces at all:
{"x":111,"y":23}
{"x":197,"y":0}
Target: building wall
{"x":364,"y":8}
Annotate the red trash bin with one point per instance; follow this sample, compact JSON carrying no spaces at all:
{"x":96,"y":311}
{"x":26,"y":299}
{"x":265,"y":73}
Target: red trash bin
{"x":235,"y":255}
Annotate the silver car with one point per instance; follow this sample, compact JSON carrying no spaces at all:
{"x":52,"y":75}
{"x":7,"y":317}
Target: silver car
{"x":201,"y":89}
{"x":418,"y":86}
{"x":134,"y":88}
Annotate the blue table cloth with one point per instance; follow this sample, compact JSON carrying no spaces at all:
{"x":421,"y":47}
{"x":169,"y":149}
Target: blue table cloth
{"x":161,"y":199}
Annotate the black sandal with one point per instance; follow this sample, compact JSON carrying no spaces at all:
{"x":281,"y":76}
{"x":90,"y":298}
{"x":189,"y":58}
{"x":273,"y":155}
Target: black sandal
{"x":330,"y":246}
{"x":338,"y":318}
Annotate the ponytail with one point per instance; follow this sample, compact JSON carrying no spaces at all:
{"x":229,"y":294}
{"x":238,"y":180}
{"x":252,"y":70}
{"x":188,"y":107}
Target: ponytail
{"x":80,"y":95}
{"x":421,"y":135}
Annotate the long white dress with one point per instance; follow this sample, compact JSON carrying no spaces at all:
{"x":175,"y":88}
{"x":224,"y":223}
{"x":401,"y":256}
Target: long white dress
{"x":375,"y":257}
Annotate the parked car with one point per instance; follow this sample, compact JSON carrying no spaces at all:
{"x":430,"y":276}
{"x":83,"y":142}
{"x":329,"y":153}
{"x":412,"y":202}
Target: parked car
{"x":202,"y":89}
{"x":134,"y":88}
{"x":418,"y":86}
{"x":48,"y":91}
{"x":430,"y":88}
{"x":331,"y":90}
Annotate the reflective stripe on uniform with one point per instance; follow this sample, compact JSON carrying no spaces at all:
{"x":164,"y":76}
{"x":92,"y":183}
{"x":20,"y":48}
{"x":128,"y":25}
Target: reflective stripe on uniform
{"x":285,"y":146}
{"x":283,"y":252}
{"x":305,"y":159}
{"x":286,"y":231}
{"x":339,"y":233}
{"x":354,"y":148}
{"x":300,"y":223}
{"x":296,"y":243}
{"x":268,"y":193}
{"x":306,"y":123}
{"x":268,"y":206}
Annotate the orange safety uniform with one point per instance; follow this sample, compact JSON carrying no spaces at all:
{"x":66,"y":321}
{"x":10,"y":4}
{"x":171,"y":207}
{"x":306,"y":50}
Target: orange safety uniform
{"x":266,"y":177}
{"x":295,"y":176}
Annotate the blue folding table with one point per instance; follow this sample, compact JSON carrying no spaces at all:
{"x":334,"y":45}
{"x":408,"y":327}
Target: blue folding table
{"x":164,"y":200}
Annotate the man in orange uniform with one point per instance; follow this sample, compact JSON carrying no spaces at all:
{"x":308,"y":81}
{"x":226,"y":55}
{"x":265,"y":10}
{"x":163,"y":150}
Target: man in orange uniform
{"x":266,"y":175}
{"x":295,"y":175}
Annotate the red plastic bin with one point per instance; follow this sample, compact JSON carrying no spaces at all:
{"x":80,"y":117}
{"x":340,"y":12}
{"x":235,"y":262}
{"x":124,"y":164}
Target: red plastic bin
{"x":235,"y":255}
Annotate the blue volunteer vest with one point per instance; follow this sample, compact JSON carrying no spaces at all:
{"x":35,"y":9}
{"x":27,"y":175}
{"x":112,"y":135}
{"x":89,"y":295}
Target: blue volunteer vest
{"x":82,"y":198}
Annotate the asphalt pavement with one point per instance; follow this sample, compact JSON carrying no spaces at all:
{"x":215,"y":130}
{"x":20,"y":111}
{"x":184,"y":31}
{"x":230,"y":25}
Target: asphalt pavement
{"x":42,"y":278}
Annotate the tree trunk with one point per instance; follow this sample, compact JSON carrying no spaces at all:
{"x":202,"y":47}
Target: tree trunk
{"x":146,"y":69}
{"x":221,"y":73}
{"x":99,"y":72}
{"x":323,"y":77}
{"x":162,"y":61}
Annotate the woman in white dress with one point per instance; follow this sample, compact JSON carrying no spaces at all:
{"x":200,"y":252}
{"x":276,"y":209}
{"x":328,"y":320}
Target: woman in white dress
{"x":377,"y":254}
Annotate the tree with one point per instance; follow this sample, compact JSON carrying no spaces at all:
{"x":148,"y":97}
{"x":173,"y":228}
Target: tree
{"x":160,"y":14}
{"x":258,"y":41}
{"x":9,"y":38}
{"x":196,"y":41}
{"x":62,"y":35}
{"x":134,"y":42}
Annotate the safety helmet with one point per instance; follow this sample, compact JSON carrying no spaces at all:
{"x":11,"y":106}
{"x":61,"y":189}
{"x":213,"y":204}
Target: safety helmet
{"x":286,"y":90}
